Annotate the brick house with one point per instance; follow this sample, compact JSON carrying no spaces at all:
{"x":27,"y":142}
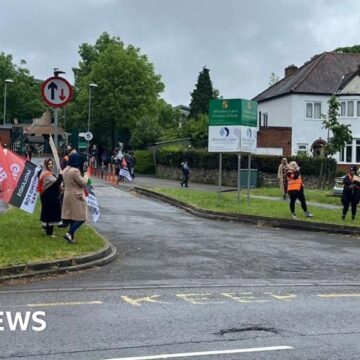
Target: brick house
{"x":290,"y":110}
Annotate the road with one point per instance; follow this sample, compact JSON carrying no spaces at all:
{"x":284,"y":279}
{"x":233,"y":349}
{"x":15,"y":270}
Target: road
{"x":185,"y":286}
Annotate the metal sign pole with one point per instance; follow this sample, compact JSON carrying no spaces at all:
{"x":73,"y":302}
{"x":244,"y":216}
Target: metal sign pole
{"x":239,"y":177}
{"x":220,"y":172}
{"x":248,"y":179}
{"x":56,"y":130}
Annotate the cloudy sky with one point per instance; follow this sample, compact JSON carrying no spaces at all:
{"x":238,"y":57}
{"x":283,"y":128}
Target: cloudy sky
{"x":241,"y":41}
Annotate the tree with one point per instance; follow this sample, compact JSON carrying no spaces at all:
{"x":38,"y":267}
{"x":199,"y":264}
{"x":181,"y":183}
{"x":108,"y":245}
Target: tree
{"x":23,"y":100}
{"x":127,"y":94}
{"x":355,"y":49}
{"x":196,"y":130}
{"x":273,"y":79}
{"x":145,"y":131}
{"x":338,"y":136}
{"x":202,"y":94}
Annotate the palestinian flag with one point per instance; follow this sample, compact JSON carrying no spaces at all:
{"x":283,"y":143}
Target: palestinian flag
{"x":124,"y":171}
{"x":18,"y":180}
{"x":92,"y":203}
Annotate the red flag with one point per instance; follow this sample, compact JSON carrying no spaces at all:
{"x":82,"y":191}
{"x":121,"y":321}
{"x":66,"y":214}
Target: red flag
{"x":18,"y":180}
{"x":7,"y":181}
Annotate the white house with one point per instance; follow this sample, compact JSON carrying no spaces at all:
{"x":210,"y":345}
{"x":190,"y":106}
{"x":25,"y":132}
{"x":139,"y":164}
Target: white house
{"x":291,"y":109}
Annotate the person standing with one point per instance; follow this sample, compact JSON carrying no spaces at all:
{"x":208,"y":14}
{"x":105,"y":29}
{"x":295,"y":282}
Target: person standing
{"x":186,"y":172}
{"x":49,"y":187}
{"x":282,"y":177}
{"x":74,"y":209}
{"x":351,"y":192}
{"x":296,"y":189}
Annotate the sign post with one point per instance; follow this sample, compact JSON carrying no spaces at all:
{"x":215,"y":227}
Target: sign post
{"x":56,"y":92}
{"x":232,"y":128}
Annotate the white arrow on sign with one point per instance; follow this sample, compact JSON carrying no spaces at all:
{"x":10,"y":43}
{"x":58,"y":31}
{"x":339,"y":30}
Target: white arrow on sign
{"x":56,"y":91}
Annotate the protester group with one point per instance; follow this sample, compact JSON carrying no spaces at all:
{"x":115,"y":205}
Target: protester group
{"x":291,"y":184}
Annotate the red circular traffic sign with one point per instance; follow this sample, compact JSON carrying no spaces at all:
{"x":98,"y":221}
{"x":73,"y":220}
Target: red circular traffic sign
{"x":56,"y":91}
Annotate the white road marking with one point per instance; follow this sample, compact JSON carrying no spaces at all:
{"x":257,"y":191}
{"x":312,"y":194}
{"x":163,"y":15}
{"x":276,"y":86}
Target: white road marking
{"x":66,"y":304}
{"x":205,"y":353}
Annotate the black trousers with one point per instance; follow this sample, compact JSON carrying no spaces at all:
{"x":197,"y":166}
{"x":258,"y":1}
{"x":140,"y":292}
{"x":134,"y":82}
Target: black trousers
{"x":346,"y":202}
{"x":185,"y":180}
{"x":297,"y":194}
{"x":49,"y":229}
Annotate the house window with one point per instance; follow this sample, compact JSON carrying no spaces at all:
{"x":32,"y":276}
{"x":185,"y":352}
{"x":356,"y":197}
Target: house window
{"x":259,"y":118}
{"x":313,"y":110}
{"x":265,"y":119}
{"x":346,"y":154}
{"x":302,"y":149}
{"x":309,"y":110}
{"x":343,"y":108}
{"x":358,"y":151}
{"x":317,"y":110}
{"x":350,"y":108}
{"x":350,"y":111}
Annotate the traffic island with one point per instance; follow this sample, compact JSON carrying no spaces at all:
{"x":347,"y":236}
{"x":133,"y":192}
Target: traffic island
{"x":98,"y":258}
{"x":252,"y":219}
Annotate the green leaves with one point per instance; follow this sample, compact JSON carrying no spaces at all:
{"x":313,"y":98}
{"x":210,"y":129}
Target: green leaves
{"x":23,"y":99}
{"x":125,"y":100}
{"x":339,"y":134}
{"x":202,"y":94}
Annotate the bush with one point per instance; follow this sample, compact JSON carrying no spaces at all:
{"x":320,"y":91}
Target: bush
{"x":202,"y":159}
{"x":144,"y":162}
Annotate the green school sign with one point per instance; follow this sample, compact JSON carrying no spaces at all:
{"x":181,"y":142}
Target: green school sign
{"x":233,"y":112}
{"x":232,"y":126}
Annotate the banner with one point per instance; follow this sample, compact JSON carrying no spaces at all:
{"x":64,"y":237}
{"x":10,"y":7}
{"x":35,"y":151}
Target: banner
{"x":92,"y":203}
{"x":124,"y":171}
{"x":18,"y":180}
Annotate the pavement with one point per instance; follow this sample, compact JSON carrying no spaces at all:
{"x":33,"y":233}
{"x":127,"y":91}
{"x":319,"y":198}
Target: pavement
{"x":143,"y":185}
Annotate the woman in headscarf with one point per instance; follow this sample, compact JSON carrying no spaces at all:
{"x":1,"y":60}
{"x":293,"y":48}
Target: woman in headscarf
{"x":74,"y":209}
{"x":49,"y":187}
{"x":282,"y":177}
{"x":351,"y":192}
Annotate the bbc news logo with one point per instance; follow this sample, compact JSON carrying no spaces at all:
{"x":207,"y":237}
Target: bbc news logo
{"x":12,"y":321}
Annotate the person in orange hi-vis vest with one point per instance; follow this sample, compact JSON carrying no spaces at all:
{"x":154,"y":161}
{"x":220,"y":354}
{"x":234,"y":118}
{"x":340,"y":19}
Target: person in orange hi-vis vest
{"x":296,"y":189}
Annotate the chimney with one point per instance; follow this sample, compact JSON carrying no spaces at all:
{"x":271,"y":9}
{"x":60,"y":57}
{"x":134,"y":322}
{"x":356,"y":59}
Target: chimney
{"x":289,"y":70}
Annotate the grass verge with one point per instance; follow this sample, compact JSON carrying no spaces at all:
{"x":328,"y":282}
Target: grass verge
{"x":23,"y":242}
{"x":228,"y":203}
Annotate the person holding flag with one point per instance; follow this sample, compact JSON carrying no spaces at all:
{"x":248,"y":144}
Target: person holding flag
{"x":74,"y":209}
{"x":124,"y":170}
{"x":92,"y":203}
{"x":49,"y":187}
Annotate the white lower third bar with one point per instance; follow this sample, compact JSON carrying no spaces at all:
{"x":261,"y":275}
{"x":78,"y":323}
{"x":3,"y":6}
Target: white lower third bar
{"x":206,"y":353}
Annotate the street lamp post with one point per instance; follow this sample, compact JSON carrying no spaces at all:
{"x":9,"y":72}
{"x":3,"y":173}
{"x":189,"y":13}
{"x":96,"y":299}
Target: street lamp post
{"x":89,"y":113}
{"x":6,"y":81}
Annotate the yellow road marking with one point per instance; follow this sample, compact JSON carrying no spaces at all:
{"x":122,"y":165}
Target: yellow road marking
{"x":287,"y":297}
{"x":329,"y":296}
{"x":198,"y":299}
{"x":243,"y":298}
{"x":73,"y":303}
{"x":138,"y":301}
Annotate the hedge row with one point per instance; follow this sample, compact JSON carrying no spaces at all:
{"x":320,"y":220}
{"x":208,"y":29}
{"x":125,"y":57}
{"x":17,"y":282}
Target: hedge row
{"x":144,"y":162}
{"x":202,"y":159}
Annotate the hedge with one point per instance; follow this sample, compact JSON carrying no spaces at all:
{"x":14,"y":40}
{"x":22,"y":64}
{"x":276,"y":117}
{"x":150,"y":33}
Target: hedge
{"x":201,"y":159}
{"x":144,"y":162}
